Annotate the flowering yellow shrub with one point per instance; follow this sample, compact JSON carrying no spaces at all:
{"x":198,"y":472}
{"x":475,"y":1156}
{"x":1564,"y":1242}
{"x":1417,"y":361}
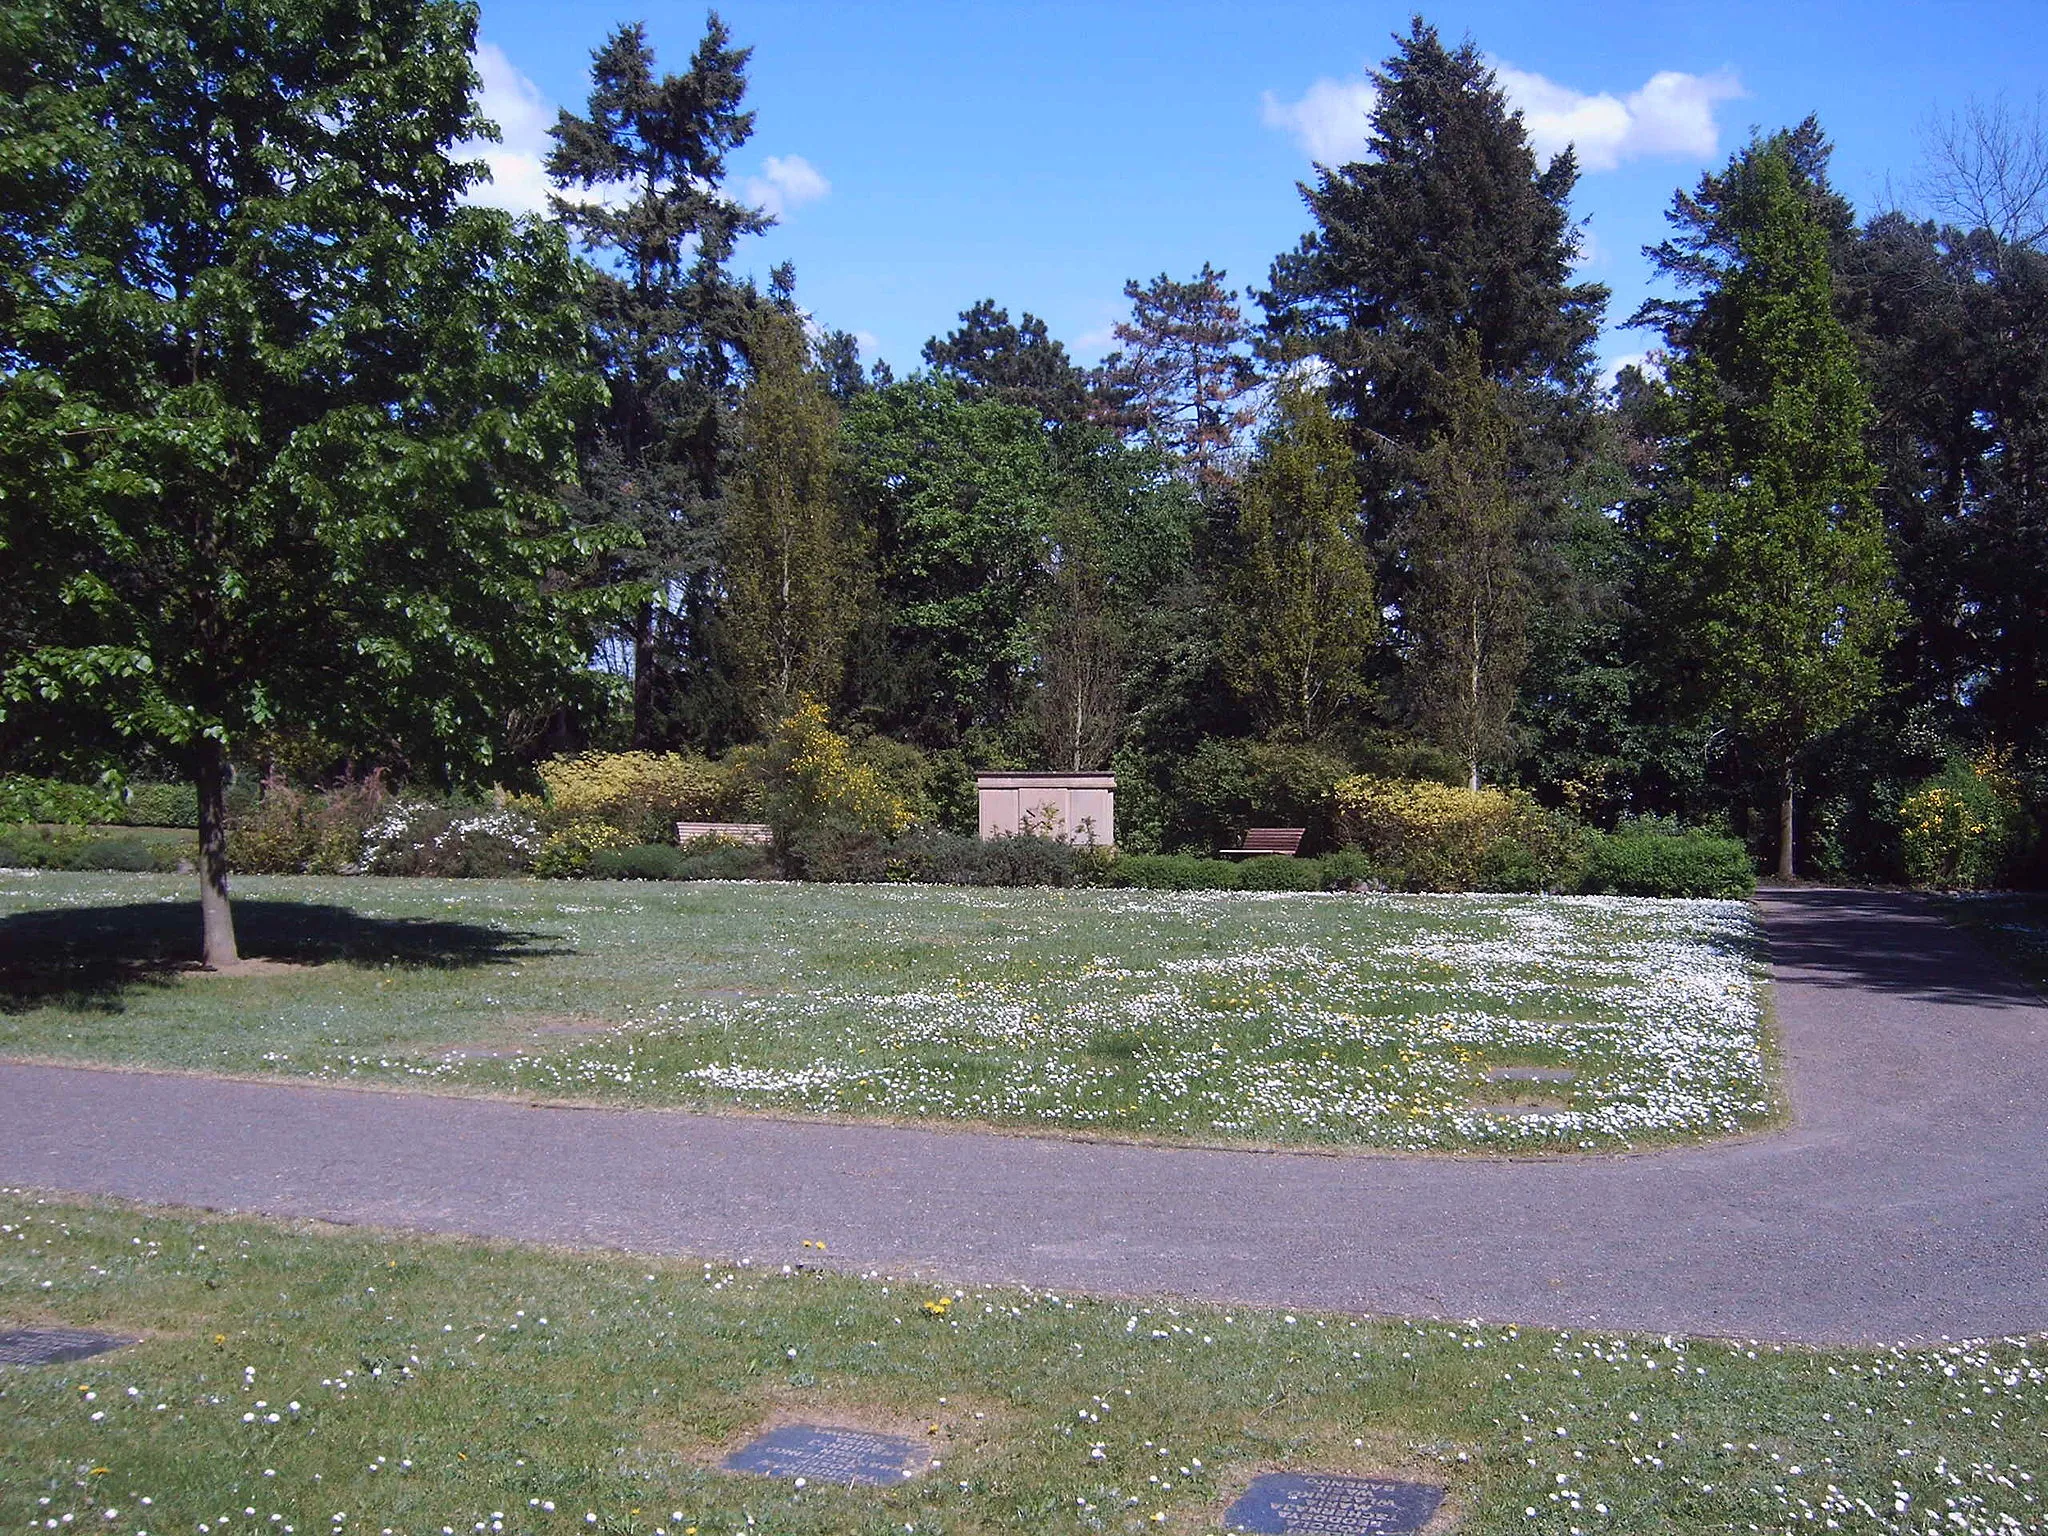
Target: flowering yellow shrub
{"x":811,"y":778}
{"x":1432,"y":836}
{"x":640,"y":794}
{"x":1959,"y":827}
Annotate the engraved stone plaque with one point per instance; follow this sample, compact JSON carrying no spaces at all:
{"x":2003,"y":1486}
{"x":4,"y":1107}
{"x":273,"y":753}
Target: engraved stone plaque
{"x":55,"y":1346}
{"x":829,"y":1455}
{"x":1333,"y":1506}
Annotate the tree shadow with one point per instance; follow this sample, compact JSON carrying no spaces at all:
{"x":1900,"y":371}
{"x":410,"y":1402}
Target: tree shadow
{"x":90,"y":958}
{"x":1888,"y":942}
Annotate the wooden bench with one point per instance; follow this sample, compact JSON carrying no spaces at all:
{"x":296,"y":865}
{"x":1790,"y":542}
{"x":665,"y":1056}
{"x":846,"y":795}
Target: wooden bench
{"x":730,"y":831}
{"x":1277,"y":842}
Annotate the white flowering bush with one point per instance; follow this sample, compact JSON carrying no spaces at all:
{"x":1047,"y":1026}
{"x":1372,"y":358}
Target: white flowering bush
{"x":431,"y":837}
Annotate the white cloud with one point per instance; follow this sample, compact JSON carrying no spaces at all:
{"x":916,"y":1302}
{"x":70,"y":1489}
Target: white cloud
{"x":1651,"y":363}
{"x":1672,"y":114}
{"x":519,"y":181}
{"x":1330,"y":122}
{"x":786,"y":183}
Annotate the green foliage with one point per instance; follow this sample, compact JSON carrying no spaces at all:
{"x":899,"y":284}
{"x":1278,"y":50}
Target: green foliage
{"x":1173,"y":872}
{"x":283,"y":423}
{"x":1301,"y":620}
{"x":76,"y":848}
{"x":1444,"y":233}
{"x":571,"y":851}
{"x":1769,"y":559}
{"x":1271,"y":873}
{"x":706,"y":858}
{"x":1019,"y":365}
{"x":293,"y":831}
{"x":1962,"y":827}
{"x":1180,"y":374}
{"x":931,"y":857}
{"x":160,"y":805}
{"x":1638,"y":863}
{"x":1226,"y":786}
{"x":1465,"y":617}
{"x":23,"y":798}
{"x":958,"y":495}
{"x":671,"y":326}
{"x":792,"y":592}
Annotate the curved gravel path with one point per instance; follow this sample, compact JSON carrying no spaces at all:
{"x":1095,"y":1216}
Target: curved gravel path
{"x":1908,"y":1200}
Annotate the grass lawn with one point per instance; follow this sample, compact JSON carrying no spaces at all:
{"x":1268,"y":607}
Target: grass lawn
{"x":2014,"y":925}
{"x":1306,"y":1019}
{"x":302,"y":1381}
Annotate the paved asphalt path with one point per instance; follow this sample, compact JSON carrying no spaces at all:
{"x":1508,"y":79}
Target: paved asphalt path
{"x":1908,"y":1200}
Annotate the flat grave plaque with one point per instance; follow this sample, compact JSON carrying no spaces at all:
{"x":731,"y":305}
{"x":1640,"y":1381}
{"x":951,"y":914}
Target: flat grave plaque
{"x":1333,"y":1506}
{"x":55,"y":1346}
{"x":1531,"y":1074}
{"x":829,"y":1455}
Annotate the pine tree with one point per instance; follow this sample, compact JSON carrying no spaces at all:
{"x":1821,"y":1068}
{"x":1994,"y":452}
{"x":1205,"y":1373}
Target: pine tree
{"x":1300,"y":618}
{"x":1183,"y":378}
{"x":1447,"y":239}
{"x":671,"y":323}
{"x":1770,"y":564}
{"x":792,"y":581}
{"x":1469,"y":594}
{"x":988,"y":358}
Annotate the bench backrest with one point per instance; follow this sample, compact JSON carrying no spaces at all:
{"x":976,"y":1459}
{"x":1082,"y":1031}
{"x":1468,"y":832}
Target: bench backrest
{"x":1285,"y":840}
{"x":731,"y":831}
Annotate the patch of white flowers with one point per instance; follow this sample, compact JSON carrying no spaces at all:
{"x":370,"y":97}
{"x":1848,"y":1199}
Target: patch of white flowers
{"x":1355,"y":1019}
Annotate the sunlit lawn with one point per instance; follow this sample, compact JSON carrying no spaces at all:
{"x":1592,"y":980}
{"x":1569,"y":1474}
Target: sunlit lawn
{"x":1338,"y":1019}
{"x":297,"y":1381}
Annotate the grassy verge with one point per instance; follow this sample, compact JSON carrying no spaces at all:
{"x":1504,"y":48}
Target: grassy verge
{"x":2014,"y":926}
{"x":1340,"y":1020}
{"x":294,"y":1381}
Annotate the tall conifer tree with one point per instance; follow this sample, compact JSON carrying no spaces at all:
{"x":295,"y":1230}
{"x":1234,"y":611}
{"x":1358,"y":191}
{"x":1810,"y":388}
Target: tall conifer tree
{"x":1769,"y":561}
{"x":1301,"y":621}
{"x":672,"y":325}
{"x":1182,"y":375}
{"x":1447,"y":239}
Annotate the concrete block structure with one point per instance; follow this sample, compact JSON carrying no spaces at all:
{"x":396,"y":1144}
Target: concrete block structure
{"x":1074,"y":807}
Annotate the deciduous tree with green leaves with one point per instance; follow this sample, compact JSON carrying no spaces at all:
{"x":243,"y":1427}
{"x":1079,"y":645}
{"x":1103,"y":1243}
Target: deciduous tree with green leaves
{"x":282,"y":427}
{"x":1769,"y":565}
{"x":792,"y":580}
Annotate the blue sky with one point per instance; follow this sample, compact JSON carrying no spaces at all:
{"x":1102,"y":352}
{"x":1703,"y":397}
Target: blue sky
{"x":925,"y":155}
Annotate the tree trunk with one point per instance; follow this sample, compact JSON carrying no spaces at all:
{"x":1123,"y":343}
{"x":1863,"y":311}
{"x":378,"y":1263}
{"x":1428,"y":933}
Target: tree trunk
{"x":1785,"y":825}
{"x":643,"y":678}
{"x":210,"y":777}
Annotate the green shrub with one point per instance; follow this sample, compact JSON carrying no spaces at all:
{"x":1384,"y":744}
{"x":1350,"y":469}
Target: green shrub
{"x":84,"y":849}
{"x":1349,"y":870}
{"x":1634,"y":863}
{"x":306,"y":832}
{"x":701,"y":858}
{"x":569,"y":852}
{"x":1962,"y":827}
{"x":1225,"y":786}
{"x":1173,"y":872}
{"x":1271,"y":873}
{"x":48,"y":800}
{"x":931,"y":857}
{"x":160,"y":805}
{"x":1428,"y":836}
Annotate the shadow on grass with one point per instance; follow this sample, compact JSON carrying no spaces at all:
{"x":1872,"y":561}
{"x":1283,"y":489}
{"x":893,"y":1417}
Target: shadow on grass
{"x":91,"y":957}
